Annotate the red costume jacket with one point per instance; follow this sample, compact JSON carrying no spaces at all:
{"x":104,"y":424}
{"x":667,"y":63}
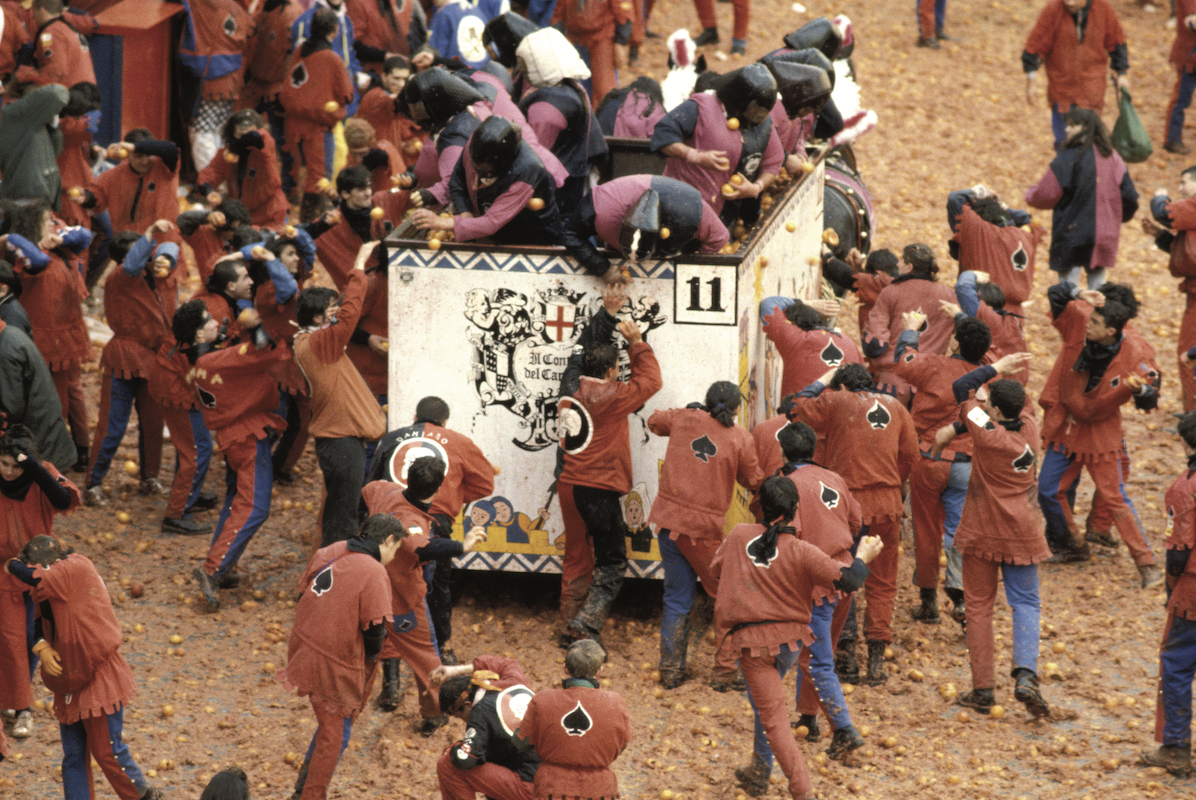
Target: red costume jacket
{"x":1008,"y":337}
{"x":829,"y":517}
{"x":1087,"y":423}
{"x":270,"y":53}
{"x":378,"y":108}
{"x":381,"y":177}
{"x":25,"y":519}
{"x":221,"y":311}
{"x":344,"y":593}
{"x":768,"y":449}
{"x":868,"y":287}
{"x":385,"y":30}
{"x":217,"y":38}
{"x":585,"y":19}
{"x":313,"y":81}
{"x":1005,"y":253}
{"x":773,"y":601}
{"x":237,"y":396}
{"x":407,"y":585}
{"x":374,"y":321}
{"x":337,"y":247}
{"x":870,"y":441}
{"x":74,"y":167}
{"x":60,"y":55}
{"x":603,"y":459}
{"x":134,"y":202}
{"x":702,"y":464}
{"x":282,"y":323}
{"x":1181,"y":535}
{"x":805,"y":355}
{"x":1000,"y":520}
{"x":258,"y":185}
{"x":13,"y":37}
{"x":577,"y":732}
{"x":884,"y":323}
{"x":1183,"y":51}
{"x":934,"y":402}
{"x":140,"y":316}
{"x":469,"y":475}
{"x":86,"y":636}
{"x":1077,"y":71}
{"x":51,"y":297}
{"x":168,"y":378}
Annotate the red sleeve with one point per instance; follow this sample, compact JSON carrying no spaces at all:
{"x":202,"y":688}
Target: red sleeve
{"x":908,"y":446}
{"x":914,"y":368}
{"x":645,"y":379}
{"x":1046,"y":193}
{"x":749,"y":475}
{"x":477,"y":478}
{"x":661,"y":421}
{"x":1114,"y":35}
{"x":1042,"y":36}
{"x":217,"y":170}
{"x":1072,"y":323}
{"x":877,"y":326}
{"x":508,"y":669}
{"x":547,"y":121}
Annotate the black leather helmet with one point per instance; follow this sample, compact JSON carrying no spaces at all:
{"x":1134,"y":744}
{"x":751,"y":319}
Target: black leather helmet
{"x":494,"y":146}
{"x":503,"y":34}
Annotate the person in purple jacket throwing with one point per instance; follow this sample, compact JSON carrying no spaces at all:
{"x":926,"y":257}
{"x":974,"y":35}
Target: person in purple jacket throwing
{"x":712,"y":139}
{"x":499,"y":191}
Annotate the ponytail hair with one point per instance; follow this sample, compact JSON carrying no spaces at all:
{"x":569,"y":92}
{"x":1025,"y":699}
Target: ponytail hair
{"x":778,"y":502}
{"x":722,"y":401}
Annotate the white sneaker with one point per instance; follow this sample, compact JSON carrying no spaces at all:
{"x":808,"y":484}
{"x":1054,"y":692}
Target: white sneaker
{"x":8,"y":713}
{"x":23,"y":726}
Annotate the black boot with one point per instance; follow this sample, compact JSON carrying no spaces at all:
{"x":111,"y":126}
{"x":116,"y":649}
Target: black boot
{"x":876,"y":663}
{"x":847,"y":666}
{"x":388,"y":698}
{"x":80,"y":464}
{"x":959,"y":612}
{"x":929,"y":611}
{"x":708,"y":36}
{"x":1026,"y":692}
{"x":844,"y":741}
{"x":980,"y":699}
{"x":810,"y":722}
{"x":753,"y":778}
{"x":301,"y":781}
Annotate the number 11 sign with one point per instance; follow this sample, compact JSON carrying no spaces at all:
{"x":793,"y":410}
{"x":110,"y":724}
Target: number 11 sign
{"x":705,"y":294}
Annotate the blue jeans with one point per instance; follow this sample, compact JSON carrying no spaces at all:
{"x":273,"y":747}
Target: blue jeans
{"x":1175,"y":122}
{"x":953,"y":497}
{"x":822,"y":666}
{"x":1021,"y":592}
{"x":1178,"y":668}
{"x":1055,"y":462}
{"x":680,"y":592}
{"x":760,"y":746}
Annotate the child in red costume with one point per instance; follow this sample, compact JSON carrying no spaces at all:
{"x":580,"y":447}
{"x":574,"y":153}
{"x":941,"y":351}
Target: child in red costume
{"x":491,"y":696}
{"x":82,"y":665}
{"x":314,"y":96}
{"x":412,"y":636}
{"x":32,"y":492}
{"x":597,"y":443}
{"x":938,"y":481}
{"x":577,"y":730}
{"x":708,"y":454}
{"x":1177,"y":658}
{"x":870,"y":441}
{"x":829,"y":518}
{"x":247,"y":166}
{"x":344,"y":605}
{"x":1000,"y":530}
{"x":238,"y":399}
{"x":1098,"y":369}
{"x":767,"y":576}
